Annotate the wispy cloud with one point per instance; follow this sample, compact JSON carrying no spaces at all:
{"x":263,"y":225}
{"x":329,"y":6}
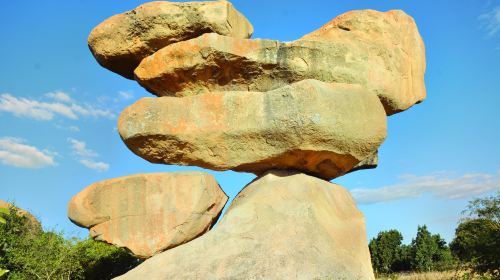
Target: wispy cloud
{"x":125,"y":95}
{"x":47,"y":110}
{"x":86,"y":156}
{"x":443,"y":185}
{"x":80,"y":148}
{"x":59,"y":96}
{"x":15,"y":152}
{"x":96,"y":165}
{"x":491,"y":21}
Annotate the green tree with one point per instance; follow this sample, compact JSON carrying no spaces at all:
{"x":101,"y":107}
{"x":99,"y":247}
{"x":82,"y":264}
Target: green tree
{"x":477,"y":237}
{"x":405,"y":259}
{"x":30,"y":253}
{"x":430,"y":252}
{"x":423,"y":248}
{"x":385,"y":250}
{"x":3,"y":211}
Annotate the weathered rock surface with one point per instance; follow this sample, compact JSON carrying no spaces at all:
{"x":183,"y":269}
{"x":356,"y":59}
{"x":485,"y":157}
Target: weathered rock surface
{"x":122,"y":41}
{"x":149,"y":213}
{"x":392,"y":49}
{"x":383,"y":52}
{"x":35,"y":223}
{"x":283,"y":225}
{"x":369,"y":162}
{"x":315,"y":127}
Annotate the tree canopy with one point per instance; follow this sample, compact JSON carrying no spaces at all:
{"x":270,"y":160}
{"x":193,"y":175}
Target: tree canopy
{"x":477,"y":237}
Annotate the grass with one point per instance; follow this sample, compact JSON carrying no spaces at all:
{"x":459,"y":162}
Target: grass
{"x":435,"y":275}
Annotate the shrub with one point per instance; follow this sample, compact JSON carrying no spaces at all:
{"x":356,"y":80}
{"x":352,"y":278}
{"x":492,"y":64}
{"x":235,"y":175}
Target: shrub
{"x":477,"y":237}
{"x":27,"y":252}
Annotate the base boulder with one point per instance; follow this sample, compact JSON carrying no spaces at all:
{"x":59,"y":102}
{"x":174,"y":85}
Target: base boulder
{"x":283,"y":225}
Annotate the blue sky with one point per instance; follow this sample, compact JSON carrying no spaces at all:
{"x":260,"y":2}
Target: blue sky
{"x":58,"y":110}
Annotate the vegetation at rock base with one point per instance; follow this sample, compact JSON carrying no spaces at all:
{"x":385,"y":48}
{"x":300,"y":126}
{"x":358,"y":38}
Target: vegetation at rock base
{"x":474,"y":253}
{"x":28,"y":252}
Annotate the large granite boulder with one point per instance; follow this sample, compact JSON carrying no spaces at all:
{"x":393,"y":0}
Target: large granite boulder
{"x":122,"y":41}
{"x":315,"y":127}
{"x":149,"y":213}
{"x":283,"y":225}
{"x":383,"y":52}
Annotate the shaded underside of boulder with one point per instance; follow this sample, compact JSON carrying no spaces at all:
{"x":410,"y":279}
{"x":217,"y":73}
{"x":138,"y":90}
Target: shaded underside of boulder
{"x":283,"y":225}
{"x":149,"y":213}
{"x":120,"y":42}
{"x":318,"y":128}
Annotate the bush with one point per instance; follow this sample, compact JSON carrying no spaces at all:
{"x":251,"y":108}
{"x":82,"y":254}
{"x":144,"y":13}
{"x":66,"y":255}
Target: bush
{"x":427,"y":252}
{"x":30,"y":253}
{"x":430,"y":252}
{"x":385,"y":251}
{"x":477,"y":237}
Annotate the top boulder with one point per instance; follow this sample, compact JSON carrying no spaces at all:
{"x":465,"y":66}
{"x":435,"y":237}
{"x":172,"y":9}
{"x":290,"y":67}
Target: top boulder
{"x":120,"y":42}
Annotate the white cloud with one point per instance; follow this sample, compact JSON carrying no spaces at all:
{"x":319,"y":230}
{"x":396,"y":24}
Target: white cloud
{"x":126,"y":95}
{"x":45,"y":111}
{"x":15,"y":152}
{"x":59,"y":96}
{"x":80,"y":148}
{"x":96,"y":165}
{"x":491,"y":21}
{"x":85,"y":155}
{"x":74,"y":128}
{"x":442,"y":185}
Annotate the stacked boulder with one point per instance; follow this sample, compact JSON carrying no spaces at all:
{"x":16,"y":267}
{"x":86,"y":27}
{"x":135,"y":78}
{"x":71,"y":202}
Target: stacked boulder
{"x":296,"y":114}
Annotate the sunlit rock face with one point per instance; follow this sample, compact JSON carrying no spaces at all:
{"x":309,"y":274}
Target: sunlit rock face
{"x":149,"y":213}
{"x":283,"y":225}
{"x":315,"y":127}
{"x":383,"y":52}
{"x":120,"y":42}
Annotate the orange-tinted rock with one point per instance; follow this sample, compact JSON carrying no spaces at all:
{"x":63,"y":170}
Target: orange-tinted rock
{"x":149,"y":213}
{"x":382,"y":52}
{"x":393,"y":51}
{"x":122,"y":41}
{"x":318,"y":128}
{"x":283,"y":225}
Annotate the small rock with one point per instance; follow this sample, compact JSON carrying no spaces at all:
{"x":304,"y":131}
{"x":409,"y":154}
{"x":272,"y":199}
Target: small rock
{"x":149,"y":213}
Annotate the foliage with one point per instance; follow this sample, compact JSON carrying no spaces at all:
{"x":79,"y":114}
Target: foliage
{"x":385,"y":250}
{"x":427,"y":252}
{"x":3,"y":211}
{"x":403,"y":263}
{"x":30,"y":253}
{"x":98,"y":259}
{"x":430,"y":252}
{"x":477,"y":237}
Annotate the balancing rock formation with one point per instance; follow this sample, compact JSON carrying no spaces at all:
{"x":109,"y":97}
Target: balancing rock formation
{"x":294,"y":113}
{"x":149,"y":213}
